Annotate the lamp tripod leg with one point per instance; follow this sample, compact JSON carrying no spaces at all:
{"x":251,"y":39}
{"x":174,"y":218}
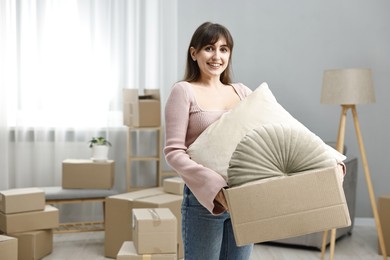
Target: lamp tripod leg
{"x":369,"y":183}
{"x":340,"y":148}
{"x":324,"y":242}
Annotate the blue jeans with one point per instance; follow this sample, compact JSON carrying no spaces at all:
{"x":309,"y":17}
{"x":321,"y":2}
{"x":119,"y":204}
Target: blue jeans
{"x":208,"y":237}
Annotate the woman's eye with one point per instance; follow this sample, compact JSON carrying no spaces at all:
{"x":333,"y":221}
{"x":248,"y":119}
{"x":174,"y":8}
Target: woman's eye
{"x":208,"y":48}
{"x":224,"y":50}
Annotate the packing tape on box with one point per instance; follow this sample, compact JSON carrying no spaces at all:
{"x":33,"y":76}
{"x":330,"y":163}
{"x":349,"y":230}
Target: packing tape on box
{"x":146,"y":257}
{"x":156,"y":218}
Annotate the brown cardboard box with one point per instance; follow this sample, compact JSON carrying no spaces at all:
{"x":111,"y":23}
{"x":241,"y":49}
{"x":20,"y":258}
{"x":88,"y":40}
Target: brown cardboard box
{"x":29,"y":221}
{"x":174,"y":185}
{"x":171,"y":201}
{"x":86,"y":174}
{"x":8,"y":248}
{"x":141,"y":111}
{"x":118,"y":218}
{"x":22,"y":200}
{"x":128,"y":252}
{"x":384,"y":217}
{"x":34,"y":245}
{"x":283,"y":207}
{"x":154,"y":231}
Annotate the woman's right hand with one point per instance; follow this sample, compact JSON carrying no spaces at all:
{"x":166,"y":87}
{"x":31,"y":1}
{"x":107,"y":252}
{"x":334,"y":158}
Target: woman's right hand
{"x":220,"y":203}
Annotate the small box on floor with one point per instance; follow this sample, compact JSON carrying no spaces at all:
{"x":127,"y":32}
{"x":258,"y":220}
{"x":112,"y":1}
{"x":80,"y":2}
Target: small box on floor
{"x":166,"y":200}
{"x":174,"y":185}
{"x":118,"y":218}
{"x":384,"y":216}
{"x":280,"y":207}
{"x":22,"y":200}
{"x":87,"y":174}
{"x":34,"y":245}
{"x":29,"y":221}
{"x":128,"y":252}
{"x":154,"y":231}
{"x":141,"y":110}
{"x":8,"y":248}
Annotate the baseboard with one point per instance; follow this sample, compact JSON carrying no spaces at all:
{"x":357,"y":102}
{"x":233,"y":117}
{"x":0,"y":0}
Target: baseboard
{"x":364,"y":222}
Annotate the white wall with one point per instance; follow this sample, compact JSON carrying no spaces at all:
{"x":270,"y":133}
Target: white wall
{"x":289,"y":44}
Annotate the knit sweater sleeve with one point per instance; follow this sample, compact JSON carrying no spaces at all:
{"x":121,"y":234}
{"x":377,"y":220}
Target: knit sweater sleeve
{"x":203,"y":182}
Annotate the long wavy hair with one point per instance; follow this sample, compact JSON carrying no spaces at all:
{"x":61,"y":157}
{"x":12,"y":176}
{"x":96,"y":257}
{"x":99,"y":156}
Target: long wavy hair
{"x":208,"y":33}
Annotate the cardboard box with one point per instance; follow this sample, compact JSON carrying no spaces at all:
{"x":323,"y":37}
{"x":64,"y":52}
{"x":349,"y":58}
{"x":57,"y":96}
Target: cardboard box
{"x":288,"y":206}
{"x":118,"y":218}
{"x":384,"y":217}
{"x":171,"y":201}
{"x":29,"y":221}
{"x":34,"y":245}
{"x":8,"y":248}
{"x":22,"y":200}
{"x":154,"y":231}
{"x":141,"y":110}
{"x":86,"y":174}
{"x":174,"y":185}
{"x":128,"y":252}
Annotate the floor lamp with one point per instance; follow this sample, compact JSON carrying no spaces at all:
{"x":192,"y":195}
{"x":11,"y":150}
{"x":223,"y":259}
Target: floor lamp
{"x":349,"y":87}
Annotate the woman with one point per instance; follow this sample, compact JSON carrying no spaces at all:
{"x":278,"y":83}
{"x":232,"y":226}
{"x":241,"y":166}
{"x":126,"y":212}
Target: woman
{"x":205,"y":93}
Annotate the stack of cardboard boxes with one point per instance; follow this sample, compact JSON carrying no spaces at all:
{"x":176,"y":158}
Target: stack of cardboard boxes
{"x":141,"y":110}
{"x":25,"y":217}
{"x":119,"y":218}
{"x":154,"y":236}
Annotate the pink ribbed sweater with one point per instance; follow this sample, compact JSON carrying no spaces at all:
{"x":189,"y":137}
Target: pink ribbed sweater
{"x":184,"y":122}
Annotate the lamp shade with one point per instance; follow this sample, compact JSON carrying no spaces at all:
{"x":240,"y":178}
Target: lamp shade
{"x":347,"y":87}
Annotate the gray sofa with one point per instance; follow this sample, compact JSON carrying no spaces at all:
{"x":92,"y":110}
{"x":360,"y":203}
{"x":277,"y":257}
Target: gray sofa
{"x":314,"y":240}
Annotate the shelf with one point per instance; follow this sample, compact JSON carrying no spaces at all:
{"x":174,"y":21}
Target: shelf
{"x":144,"y":158}
{"x":147,"y":151}
{"x":79,"y":227}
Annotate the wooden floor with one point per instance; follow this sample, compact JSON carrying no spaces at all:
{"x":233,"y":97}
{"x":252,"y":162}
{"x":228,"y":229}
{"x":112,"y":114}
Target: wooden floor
{"x":362,"y":244}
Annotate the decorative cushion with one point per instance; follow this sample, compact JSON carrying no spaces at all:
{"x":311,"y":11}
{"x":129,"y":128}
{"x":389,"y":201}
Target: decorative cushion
{"x":215,"y":146}
{"x":275,"y":150}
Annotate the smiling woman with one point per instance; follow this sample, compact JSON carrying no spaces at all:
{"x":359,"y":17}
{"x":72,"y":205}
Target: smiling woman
{"x":64,"y":64}
{"x":204,"y":95}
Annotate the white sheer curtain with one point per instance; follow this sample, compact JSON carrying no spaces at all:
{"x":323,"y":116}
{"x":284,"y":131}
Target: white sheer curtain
{"x":63,"y":65}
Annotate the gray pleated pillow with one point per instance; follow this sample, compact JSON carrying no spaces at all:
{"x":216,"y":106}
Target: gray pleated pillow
{"x":277,"y":149}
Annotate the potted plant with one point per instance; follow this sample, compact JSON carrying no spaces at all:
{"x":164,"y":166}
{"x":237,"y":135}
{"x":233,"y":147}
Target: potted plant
{"x":100,"y":147}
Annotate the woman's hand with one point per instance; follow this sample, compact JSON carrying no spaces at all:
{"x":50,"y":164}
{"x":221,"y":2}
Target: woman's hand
{"x":220,"y":202}
{"x":343,"y":169}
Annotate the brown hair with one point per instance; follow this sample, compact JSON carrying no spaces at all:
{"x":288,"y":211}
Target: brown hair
{"x":208,"y":33}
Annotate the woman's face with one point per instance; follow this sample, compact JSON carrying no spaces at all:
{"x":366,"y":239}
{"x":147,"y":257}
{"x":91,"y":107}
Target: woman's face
{"x":212,"y":59}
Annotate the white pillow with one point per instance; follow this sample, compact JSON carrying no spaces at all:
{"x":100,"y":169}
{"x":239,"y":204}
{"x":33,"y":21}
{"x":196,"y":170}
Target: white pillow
{"x":215,"y":146}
